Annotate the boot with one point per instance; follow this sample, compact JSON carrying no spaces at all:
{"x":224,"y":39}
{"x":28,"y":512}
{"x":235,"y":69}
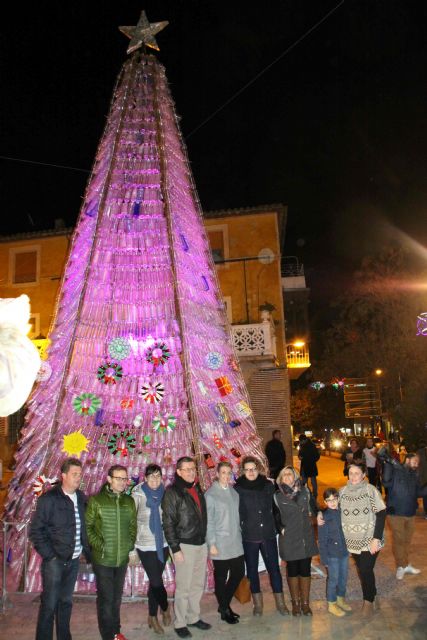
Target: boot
{"x":335,"y":609}
{"x":343,"y":604}
{"x":154,"y":624}
{"x":280,"y":604}
{"x":258,"y":604}
{"x":227,"y":616}
{"x":367,"y":608}
{"x":294,"y":591}
{"x":166,"y":617}
{"x":304,"y":588}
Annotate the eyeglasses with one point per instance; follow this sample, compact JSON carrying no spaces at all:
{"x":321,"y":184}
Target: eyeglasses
{"x":250,"y":469}
{"x":120,"y":478}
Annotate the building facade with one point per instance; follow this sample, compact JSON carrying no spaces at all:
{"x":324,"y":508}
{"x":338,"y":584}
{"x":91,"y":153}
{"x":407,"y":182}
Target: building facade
{"x":247,"y":248}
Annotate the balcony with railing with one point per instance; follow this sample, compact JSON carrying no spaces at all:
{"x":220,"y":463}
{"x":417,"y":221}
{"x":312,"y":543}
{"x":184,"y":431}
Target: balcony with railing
{"x":254,"y":340}
{"x":297,"y":359}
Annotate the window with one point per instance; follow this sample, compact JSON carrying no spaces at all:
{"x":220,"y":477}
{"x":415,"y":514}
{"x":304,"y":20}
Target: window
{"x":218,"y":239}
{"x":35,"y":325}
{"x":24,"y":265}
{"x":229,"y":311}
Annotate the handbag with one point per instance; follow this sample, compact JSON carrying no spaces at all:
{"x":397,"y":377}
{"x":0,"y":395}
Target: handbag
{"x":243,"y":591}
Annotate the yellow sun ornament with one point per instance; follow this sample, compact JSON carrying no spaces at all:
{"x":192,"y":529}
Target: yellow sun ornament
{"x":75,"y":443}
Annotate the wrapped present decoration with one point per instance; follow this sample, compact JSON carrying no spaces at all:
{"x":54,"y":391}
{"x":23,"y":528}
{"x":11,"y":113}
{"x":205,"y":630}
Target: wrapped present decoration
{"x":224,"y":386}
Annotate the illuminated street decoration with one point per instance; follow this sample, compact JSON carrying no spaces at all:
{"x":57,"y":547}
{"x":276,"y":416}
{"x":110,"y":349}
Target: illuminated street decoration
{"x":422,"y":324}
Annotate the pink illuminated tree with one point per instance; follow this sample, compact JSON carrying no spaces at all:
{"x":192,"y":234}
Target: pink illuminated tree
{"x":141,"y":365}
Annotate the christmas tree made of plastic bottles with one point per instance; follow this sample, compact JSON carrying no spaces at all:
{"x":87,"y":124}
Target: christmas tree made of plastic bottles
{"x":141,"y":366}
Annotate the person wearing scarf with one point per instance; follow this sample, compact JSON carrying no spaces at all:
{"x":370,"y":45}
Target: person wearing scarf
{"x":363,"y":519}
{"x":297,"y":543}
{"x":151,"y":544}
{"x":184,"y":523}
{"x":259,"y":532}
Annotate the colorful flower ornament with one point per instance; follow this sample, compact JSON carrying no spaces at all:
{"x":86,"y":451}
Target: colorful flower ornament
{"x":119,"y":348}
{"x":224,"y":386}
{"x":86,"y":404}
{"x":214,"y":360}
{"x":121,"y":443}
{"x":152,"y":392}
{"x":44,"y":372}
{"x":158,"y":354}
{"x":243,"y":409}
{"x":41,"y":484}
{"x":161,"y":424}
{"x":110,"y":372}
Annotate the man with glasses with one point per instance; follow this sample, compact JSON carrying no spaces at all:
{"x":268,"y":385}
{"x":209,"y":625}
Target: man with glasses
{"x":184,"y":525}
{"x":111,"y":528}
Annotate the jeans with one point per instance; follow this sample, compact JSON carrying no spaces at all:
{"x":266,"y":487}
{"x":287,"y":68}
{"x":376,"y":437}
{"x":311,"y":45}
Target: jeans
{"x":372,"y":475}
{"x":234,"y":570}
{"x":58,"y":579}
{"x":109,"y":590}
{"x":365,"y":563}
{"x":337,"y":578}
{"x":270,"y":556}
{"x":313,"y":479}
{"x":153,"y":567}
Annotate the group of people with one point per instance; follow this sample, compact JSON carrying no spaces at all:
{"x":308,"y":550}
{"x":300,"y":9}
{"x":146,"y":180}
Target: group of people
{"x":231,"y":525}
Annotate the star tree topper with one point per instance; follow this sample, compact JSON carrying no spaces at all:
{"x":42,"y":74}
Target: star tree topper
{"x":143,"y":33}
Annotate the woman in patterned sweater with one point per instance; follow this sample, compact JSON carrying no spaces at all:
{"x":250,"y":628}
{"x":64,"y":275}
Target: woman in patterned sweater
{"x":363,"y":518}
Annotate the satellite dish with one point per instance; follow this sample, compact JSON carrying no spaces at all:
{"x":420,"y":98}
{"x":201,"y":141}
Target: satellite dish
{"x":266,"y":256}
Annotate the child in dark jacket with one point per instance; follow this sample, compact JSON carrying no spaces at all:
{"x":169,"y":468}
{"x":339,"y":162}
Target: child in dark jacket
{"x":334,"y":554}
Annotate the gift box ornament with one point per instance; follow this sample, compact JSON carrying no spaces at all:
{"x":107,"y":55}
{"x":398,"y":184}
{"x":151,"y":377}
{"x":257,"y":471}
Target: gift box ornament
{"x":208,"y":461}
{"x":243,"y":409}
{"x":221,"y":412}
{"x":224,"y":386}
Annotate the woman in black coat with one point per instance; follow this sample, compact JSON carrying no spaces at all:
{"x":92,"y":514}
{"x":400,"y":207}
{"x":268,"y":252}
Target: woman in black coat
{"x":297,"y":543}
{"x":259,"y":532}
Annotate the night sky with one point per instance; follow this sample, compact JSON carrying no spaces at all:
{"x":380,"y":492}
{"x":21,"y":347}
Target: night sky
{"x":336,"y":128}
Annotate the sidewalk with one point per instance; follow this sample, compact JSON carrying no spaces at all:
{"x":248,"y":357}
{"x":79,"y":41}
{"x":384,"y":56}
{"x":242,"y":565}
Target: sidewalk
{"x":403,"y":613}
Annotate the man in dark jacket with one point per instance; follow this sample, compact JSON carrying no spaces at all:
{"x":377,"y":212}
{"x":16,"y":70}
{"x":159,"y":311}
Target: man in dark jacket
{"x":184,"y":525}
{"x":111,"y":529}
{"x":402,"y":483}
{"x":58,"y":533}
{"x":309,"y":455}
{"x":276,"y":454}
